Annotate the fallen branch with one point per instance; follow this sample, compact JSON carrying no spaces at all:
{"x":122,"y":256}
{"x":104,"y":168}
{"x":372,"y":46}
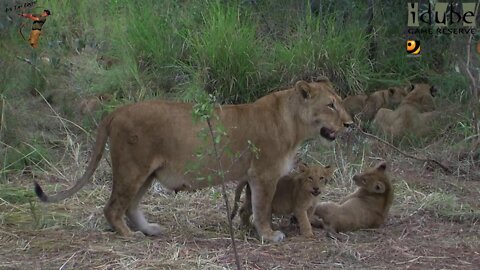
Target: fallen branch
{"x":445,"y":168}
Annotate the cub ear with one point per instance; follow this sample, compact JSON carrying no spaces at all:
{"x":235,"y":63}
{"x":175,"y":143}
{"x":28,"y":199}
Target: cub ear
{"x":304,"y":88}
{"x":329,"y":170}
{"x":382,"y":166}
{"x":379,"y":187}
{"x":391,"y":91}
{"x":411,"y":87}
{"x":302,"y":167}
{"x":433,"y":91}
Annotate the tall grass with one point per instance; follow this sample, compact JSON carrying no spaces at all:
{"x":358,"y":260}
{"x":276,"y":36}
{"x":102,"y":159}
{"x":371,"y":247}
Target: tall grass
{"x":227,"y":51}
{"x":236,"y":50}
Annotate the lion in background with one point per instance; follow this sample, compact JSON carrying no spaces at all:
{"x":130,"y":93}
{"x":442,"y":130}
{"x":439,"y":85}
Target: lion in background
{"x":355,"y":104}
{"x":296,"y":193}
{"x":414,"y":115}
{"x":367,"y":207}
{"x":389,"y":98}
{"x":367,"y":106}
{"x":157,"y":139}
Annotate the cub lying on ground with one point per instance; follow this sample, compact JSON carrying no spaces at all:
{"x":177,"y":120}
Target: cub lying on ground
{"x":415,"y":114}
{"x":367,"y":207}
{"x":295,"y":193}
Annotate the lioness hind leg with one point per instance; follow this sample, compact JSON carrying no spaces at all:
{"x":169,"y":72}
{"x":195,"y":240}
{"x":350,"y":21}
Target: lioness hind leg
{"x":124,"y":189}
{"x":136,"y":216}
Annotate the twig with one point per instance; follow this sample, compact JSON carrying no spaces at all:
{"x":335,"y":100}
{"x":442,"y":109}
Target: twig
{"x":447,"y":169}
{"x":224,"y":192}
{"x":475,"y":98}
{"x":28,"y":61}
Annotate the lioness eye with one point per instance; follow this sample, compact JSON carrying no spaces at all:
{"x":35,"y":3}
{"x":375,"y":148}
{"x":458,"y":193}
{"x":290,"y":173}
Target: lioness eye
{"x":331,"y":105}
{"x":310,"y":178}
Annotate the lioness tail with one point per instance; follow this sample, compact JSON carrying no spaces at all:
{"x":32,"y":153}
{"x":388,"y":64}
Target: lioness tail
{"x":101,"y":140}
{"x":238,"y":193}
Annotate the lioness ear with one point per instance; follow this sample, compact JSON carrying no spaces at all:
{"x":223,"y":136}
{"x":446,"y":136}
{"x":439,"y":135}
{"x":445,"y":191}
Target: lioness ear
{"x":433,"y":91}
{"x":382,"y":166}
{"x":304,"y":88}
{"x":379,"y":187}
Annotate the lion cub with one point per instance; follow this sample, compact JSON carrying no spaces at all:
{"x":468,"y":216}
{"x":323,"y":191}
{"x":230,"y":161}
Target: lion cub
{"x":389,"y":98}
{"x":354,"y":104}
{"x":367,"y":207}
{"x":414,"y":114}
{"x":367,"y":106}
{"x":296,"y":193}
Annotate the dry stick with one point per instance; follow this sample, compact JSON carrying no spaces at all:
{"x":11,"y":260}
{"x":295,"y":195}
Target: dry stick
{"x":444,"y":167}
{"x":224,"y":193}
{"x":475,"y":98}
{"x":28,"y":61}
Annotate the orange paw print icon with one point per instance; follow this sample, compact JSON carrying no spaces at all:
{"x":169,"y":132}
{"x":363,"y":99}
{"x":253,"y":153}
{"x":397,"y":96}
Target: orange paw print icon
{"x":413,"y":47}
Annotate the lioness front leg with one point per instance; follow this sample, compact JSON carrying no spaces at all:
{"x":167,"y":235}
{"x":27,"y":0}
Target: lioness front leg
{"x":304,"y":222}
{"x":262,"y":196}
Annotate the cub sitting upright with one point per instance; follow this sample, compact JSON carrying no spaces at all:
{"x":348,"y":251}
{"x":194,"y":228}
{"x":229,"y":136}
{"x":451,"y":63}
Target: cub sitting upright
{"x":295,"y":193}
{"x":367,"y":207}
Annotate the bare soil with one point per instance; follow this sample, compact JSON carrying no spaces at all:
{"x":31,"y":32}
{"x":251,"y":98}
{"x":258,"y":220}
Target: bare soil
{"x":421,"y":232}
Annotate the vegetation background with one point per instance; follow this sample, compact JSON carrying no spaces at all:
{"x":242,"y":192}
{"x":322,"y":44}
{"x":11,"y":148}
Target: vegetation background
{"x":94,"y":56}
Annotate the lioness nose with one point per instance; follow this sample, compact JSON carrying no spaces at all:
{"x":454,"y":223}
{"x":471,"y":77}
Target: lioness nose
{"x":316,"y":189}
{"x":348,"y":124}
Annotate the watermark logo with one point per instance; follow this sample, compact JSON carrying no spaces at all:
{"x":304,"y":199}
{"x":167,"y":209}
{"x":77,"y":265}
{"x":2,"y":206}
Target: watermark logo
{"x":441,"y":18}
{"x":413,"y":47}
{"x":441,"y":15}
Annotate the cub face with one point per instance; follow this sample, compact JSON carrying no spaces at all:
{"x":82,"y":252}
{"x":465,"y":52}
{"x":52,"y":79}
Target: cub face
{"x":314,"y":178}
{"x":422,"y":95}
{"x":373,"y":180}
{"x":396,"y":95}
{"x":321,"y":109}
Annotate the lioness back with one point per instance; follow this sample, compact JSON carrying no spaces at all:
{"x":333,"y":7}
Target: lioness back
{"x":367,"y":207}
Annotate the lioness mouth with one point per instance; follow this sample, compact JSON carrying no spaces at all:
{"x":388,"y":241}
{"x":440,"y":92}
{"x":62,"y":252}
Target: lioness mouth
{"x":327,"y":133}
{"x":315,"y":193}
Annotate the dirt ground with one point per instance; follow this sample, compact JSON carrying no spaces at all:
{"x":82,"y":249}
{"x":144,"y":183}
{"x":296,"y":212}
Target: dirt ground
{"x":433,"y":224}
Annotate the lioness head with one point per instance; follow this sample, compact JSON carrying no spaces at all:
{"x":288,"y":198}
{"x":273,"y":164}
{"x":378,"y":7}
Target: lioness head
{"x":313,"y":178}
{"x":373,"y":180}
{"x":320,"y":109}
{"x":422,"y":97}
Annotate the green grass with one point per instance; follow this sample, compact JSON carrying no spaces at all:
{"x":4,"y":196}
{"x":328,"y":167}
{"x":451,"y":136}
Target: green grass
{"x":448,"y":207}
{"x":235,"y":50}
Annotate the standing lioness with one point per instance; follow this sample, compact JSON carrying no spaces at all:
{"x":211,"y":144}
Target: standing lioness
{"x":157,"y":139}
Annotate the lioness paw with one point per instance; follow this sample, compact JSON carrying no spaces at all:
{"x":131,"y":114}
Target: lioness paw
{"x":152,"y":229}
{"x":276,"y":236}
